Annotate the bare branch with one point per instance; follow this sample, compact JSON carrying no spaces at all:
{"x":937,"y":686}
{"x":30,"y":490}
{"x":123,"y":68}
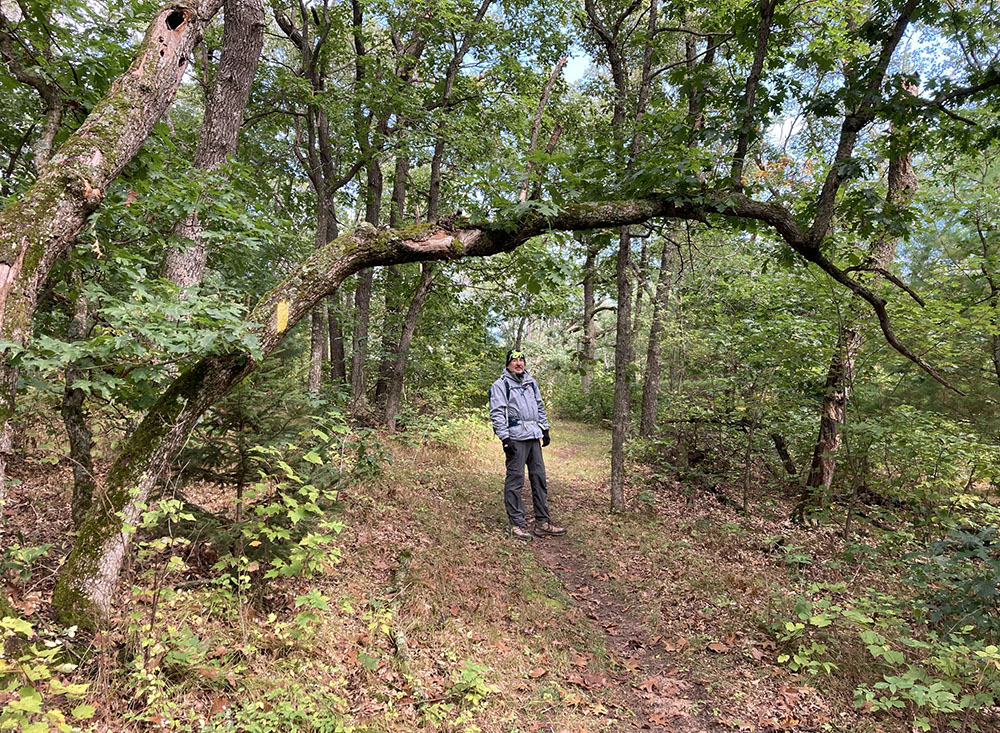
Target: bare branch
{"x":891,"y":278}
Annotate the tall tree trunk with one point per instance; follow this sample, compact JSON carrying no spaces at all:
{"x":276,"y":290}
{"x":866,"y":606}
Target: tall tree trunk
{"x":338,"y":364}
{"x":588,"y":339}
{"x":398,"y":374}
{"x":393,"y":277}
{"x":397,"y":212}
{"x":363,"y":294}
{"x":359,"y":340}
{"x":987,"y":266}
{"x":522,"y":322}
{"x":242,"y":40}
{"x":613,"y":44}
{"x":642,"y":277}
{"x":434,"y":191}
{"x":75,"y":418}
{"x":902,"y":186}
{"x":317,"y":339}
{"x":42,"y":223}
{"x":391,"y":325}
{"x":654,"y":351}
{"x":623,"y":362}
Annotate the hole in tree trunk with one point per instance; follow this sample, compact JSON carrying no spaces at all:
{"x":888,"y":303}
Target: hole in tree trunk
{"x":175,"y":20}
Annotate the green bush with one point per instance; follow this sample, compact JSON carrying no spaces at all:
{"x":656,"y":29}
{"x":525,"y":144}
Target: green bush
{"x":935,"y":679}
{"x":957,"y":582}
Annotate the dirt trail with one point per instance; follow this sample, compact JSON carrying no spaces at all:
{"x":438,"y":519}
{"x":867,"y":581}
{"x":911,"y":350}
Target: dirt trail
{"x":647,"y":684}
{"x":650,"y":691}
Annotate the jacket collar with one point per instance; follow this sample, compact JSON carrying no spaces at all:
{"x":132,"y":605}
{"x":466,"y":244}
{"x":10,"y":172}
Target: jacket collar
{"x":508,"y":374}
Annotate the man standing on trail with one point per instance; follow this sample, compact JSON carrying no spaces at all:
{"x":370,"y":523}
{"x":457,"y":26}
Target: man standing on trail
{"x":519,"y":420}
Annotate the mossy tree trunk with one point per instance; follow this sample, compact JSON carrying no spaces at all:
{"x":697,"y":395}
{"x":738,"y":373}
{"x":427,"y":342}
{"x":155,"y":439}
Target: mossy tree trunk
{"x":43,"y":223}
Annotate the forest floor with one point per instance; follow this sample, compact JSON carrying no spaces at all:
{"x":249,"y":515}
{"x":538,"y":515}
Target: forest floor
{"x":661,"y":618}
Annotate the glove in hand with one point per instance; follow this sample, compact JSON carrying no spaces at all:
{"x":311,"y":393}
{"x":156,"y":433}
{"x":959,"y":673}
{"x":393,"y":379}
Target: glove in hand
{"x":545,"y":438}
{"x":508,"y":447}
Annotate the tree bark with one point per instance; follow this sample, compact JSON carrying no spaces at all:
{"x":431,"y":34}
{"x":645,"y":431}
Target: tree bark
{"x":359,"y":341}
{"x":75,"y":418}
{"x":317,"y":337}
{"x":588,"y":345}
{"x":338,"y":364}
{"x":391,"y":327}
{"x":641,"y":282}
{"x":391,"y":324}
{"x":654,"y":350}
{"x":623,"y":359}
{"x":781,"y":448}
{"x":242,"y":40}
{"x":363,"y":295}
{"x":43,"y":223}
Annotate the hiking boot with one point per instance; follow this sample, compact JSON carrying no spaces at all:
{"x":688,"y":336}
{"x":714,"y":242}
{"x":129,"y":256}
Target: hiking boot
{"x":520,"y":533}
{"x":547,"y":529}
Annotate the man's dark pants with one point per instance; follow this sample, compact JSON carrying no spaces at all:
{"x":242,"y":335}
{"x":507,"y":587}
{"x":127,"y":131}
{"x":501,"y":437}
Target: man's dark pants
{"x":526,"y":453}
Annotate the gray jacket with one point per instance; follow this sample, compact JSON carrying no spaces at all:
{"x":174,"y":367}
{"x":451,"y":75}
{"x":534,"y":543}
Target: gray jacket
{"x":516,"y":408}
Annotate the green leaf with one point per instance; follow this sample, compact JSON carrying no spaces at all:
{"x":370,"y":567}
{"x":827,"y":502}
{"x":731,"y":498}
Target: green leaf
{"x":30,"y":701}
{"x":17,"y":625}
{"x":83,"y":712}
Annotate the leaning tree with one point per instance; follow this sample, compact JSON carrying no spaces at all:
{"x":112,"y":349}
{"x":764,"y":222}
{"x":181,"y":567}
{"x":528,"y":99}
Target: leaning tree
{"x":663,"y":183}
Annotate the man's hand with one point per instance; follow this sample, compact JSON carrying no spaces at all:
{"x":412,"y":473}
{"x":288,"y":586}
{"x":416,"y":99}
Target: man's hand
{"x":508,"y":446}
{"x":545,"y":438}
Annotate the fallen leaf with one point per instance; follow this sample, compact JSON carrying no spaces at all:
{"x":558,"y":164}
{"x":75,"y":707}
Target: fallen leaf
{"x":30,"y":603}
{"x":675,"y":645}
{"x":537,"y":672}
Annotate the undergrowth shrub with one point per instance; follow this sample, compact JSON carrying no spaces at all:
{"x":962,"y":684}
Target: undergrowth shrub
{"x":453,"y":430}
{"x":935,"y":679}
{"x":286,"y":527}
{"x":956,"y":580}
{"x":594,"y":404}
{"x":36,"y":695}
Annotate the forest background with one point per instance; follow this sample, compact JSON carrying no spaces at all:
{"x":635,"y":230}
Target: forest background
{"x":262,"y":249}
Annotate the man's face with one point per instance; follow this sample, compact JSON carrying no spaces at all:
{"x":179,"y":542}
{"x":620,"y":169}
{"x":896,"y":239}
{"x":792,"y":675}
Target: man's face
{"x":516,"y":365}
